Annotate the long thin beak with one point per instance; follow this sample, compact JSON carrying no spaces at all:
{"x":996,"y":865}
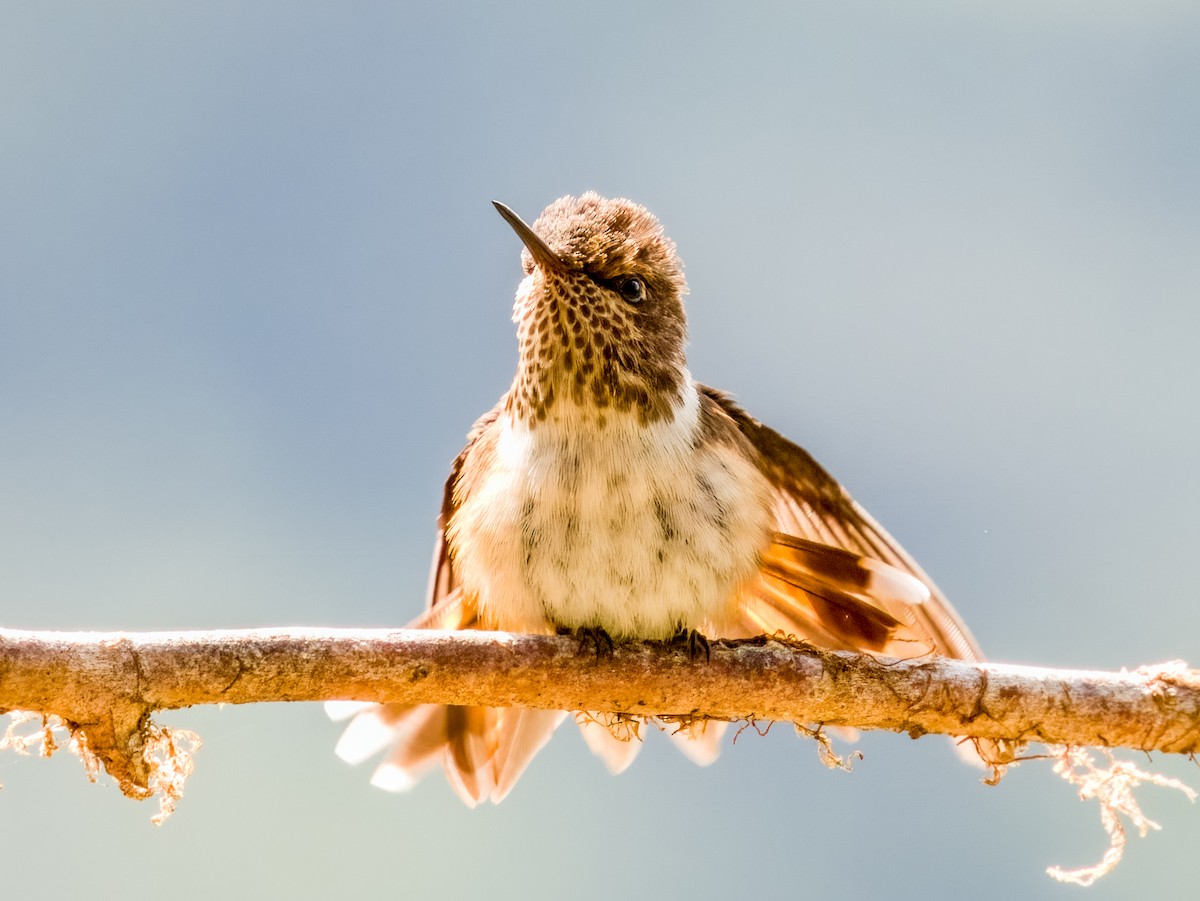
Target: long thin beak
{"x":542,"y":254}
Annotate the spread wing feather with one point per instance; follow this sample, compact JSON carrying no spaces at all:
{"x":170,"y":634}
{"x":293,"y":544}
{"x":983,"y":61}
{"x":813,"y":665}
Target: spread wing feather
{"x":833,"y":574}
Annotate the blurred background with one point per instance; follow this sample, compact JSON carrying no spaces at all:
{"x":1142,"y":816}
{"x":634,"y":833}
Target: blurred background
{"x":253,"y":294}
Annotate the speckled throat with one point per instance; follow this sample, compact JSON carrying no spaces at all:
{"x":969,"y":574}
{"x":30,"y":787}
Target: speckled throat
{"x":578,"y":347}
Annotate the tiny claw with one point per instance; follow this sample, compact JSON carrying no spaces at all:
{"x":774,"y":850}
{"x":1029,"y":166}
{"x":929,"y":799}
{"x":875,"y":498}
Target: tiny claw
{"x":591,"y":638}
{"x":695,"y":642}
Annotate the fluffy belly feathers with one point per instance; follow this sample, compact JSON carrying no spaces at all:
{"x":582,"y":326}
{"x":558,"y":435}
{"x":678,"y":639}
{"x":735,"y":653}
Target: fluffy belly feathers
{"x":636,"y":529}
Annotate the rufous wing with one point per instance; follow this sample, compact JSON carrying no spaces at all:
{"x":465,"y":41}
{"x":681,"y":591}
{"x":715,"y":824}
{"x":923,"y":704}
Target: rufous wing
{"x":831,"y":573}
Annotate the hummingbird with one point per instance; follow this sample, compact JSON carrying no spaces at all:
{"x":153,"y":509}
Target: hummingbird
{"x":609,"y":494}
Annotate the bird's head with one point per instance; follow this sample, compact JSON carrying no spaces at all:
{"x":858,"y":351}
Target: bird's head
{"x":599,"y":315}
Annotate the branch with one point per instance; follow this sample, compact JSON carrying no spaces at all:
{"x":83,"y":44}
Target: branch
{"x":105,"y":685}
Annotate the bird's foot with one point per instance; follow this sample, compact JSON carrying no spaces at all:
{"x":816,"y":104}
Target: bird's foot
{"x":694,"y":641}
{"x":591,"y":638}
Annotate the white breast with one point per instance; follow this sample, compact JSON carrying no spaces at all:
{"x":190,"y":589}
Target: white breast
{"x":628,"y":527}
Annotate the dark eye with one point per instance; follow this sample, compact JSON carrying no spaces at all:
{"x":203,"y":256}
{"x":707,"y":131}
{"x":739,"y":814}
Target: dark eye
{"x":633,"y":289}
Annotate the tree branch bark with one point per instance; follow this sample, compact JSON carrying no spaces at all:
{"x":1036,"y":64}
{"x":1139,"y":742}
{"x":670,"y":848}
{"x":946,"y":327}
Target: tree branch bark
{"x":106,"y":685}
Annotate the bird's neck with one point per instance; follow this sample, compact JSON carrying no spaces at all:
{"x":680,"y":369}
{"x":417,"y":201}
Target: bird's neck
{"x":573,"y":387}
{"x":559,"y":407}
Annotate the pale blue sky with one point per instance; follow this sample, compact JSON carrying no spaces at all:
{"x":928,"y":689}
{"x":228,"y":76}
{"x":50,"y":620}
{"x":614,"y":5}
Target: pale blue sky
{"x":253,"y":293}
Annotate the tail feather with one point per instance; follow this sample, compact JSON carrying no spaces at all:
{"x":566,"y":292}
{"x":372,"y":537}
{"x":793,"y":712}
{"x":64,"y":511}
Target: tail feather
{"x":343,"y":710}
{"x":617,"y":753}
{"x":369,"y":732}
{"x":484,"y":750}
{"x":470,"y":745}
{"x":700,"y":741}
{"x":523,"y":732}
{"x":417,"y":734}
